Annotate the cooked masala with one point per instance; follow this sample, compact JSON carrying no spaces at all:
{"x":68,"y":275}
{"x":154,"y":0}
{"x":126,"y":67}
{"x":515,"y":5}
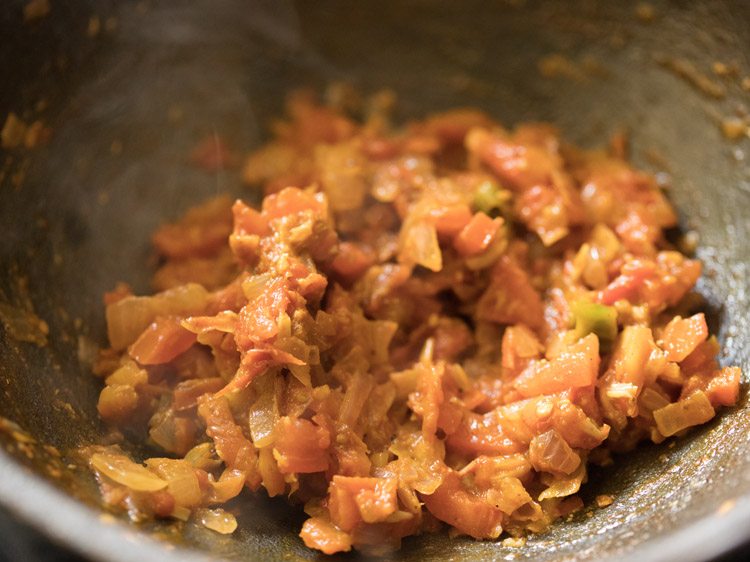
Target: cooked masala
{"x":437,"y":325}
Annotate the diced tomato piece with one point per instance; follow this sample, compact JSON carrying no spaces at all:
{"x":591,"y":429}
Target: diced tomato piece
{"x":467,"y":512}
{"x":724,"y":388}
{"x":520,"y":166}
{"x":258,"y":320}
{"x":545,"y":210}
{"x":508,"y":429}
{"x":352,"y":261}
{"x":483,"y":435}
{"x":353,"y":500}
{"x":451,"y":219}
{"x":291,"y":200}
{"x":254,"y":363}
{"x":477,"y":235}
{"x":682,"y":335}
{"x":510,"y":297}
{"x":577,"y":366}
{"x":236,"y":450}
{"x":452,"y":337}
{"x":201,"y":232}
{"x":301,"y":446}
{"x":323,"y":535}
{"x":702,"y":359}
{"x":161,"y":342}
{"x":248,"y":221}
{"x":627,"y":284}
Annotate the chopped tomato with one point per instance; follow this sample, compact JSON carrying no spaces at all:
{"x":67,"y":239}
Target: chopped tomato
{"x":352,"y":261}
{"x":201,"y":232}
{"x":353,"y":500}
{"x":575,"y":367}
{"x":467,"y":512}
{"x":301,"y":446}
{"x":258,"y":320}
{"x":510,"y":297}
{"x":161,"y":342}
{"x":291,"y":201}
{"x":682,"y":335}
{"x":477,"y":235}
{"x":450,"y":220}
{"x":724,"y":387}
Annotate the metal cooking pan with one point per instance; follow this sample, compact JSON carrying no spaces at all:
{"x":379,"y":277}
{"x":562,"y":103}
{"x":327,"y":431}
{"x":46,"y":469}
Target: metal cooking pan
{"x":128,"y":88}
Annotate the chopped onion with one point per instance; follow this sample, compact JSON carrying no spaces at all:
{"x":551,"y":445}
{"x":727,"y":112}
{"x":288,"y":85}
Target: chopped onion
{"x":693,"y":410}
{"x":549,"y":452}
{"x":419,"y":245}
{"x":560,"y":487}
{"x":622,"y":390}
{"x":203,"y":456}
{"x":264,"y":412}
{"x":181,"y":513}
{"x":341,"y":169}
{"x":229,"y":486}
{"x":124,"y":471}
{"x":129,"y":317}
{"x":217,"y":520}
{"x":256,"y":285}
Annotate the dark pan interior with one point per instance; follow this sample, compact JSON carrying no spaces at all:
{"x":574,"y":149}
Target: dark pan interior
{"x":127,"y":105}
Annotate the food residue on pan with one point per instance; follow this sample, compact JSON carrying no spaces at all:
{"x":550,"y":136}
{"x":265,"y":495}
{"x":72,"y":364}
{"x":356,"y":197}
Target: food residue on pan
{"x":735,"y":128}
{"x":94,"y":26}
{"x":645,"y":12}
{"x":558,"y":65}
{"x":604,"y":500}
{"x":17,"y":315}
{"x":436,"y":325}
{"x":725,"y":507}
{"x":36,"y":10}
{"x":725,"y":70}
{"x":23,"y":325}
{"x":17,"y":133}
{"x":686,"y":70}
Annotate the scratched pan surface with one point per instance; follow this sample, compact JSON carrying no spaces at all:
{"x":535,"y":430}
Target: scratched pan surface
{"x":126,"y":106}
